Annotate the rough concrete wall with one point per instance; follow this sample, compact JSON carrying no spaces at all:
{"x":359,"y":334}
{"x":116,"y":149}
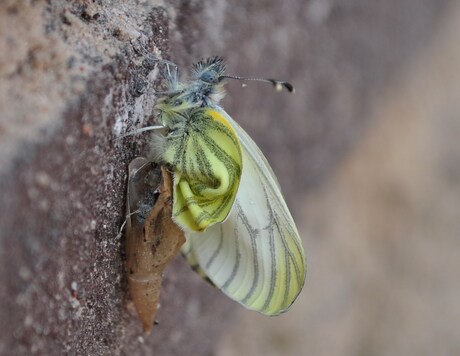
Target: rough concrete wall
{"x":74,"y":75}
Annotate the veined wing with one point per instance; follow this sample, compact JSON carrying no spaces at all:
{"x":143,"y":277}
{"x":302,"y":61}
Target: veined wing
{"x":206,"y":158}
{"x":255,"y":256}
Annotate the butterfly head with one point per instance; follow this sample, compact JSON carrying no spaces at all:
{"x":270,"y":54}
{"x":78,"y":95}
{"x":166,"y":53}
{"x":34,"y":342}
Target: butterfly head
{"x":207,"y":86}
{"x":210,"y":70}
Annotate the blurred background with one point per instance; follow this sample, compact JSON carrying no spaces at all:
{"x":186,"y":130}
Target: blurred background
{"x":382,"y":231}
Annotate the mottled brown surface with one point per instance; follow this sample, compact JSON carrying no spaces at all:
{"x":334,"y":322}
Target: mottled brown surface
{"x":74,"y":75}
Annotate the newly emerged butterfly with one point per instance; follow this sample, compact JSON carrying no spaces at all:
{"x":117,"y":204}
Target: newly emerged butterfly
{"x":239,"y":231}
{"x":226,"y":199}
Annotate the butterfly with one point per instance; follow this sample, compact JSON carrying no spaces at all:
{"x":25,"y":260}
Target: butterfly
{"x":239,"y":232}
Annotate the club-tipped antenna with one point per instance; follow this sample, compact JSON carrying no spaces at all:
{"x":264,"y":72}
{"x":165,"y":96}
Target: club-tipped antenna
{"x":278,"y":84}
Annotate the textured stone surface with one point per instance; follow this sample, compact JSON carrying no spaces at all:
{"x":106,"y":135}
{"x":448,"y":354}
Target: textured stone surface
{"x":74,"y":75}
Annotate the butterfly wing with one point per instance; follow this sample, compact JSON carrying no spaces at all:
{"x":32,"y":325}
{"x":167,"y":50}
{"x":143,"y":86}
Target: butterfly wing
{"x":255,"y":256}
{"x":205,"y":155}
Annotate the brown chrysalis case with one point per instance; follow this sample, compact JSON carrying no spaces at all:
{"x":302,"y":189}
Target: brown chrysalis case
{"x":152,"y":238}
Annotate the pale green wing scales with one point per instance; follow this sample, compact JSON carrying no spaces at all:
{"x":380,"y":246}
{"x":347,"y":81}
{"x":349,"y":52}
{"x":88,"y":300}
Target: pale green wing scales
{"x":255,"y":256}
{"x":205,"y":155}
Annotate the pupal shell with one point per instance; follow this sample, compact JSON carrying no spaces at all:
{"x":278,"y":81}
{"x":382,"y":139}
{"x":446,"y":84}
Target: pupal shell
{"x":152,"y":238}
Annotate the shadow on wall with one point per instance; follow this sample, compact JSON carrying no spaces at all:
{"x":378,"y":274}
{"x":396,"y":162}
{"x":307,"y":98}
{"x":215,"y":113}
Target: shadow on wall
{"x":382,"y":234}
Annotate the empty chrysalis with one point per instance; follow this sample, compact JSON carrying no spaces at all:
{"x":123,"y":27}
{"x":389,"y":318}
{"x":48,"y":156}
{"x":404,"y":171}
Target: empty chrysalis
{"x":226,"y":199}
{"x":152,"y":238}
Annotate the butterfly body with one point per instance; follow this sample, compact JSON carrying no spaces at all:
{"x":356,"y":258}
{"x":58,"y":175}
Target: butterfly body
{"x":227,"y":200}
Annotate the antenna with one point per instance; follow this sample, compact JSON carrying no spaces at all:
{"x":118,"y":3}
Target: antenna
{"x":278,"y":84}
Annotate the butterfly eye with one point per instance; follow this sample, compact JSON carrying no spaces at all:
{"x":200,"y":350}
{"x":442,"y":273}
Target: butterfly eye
{"x":209,"y":77}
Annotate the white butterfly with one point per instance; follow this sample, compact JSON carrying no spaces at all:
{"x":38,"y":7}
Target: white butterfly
{"x":239,"y":231}
{"x":255,"y":256}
